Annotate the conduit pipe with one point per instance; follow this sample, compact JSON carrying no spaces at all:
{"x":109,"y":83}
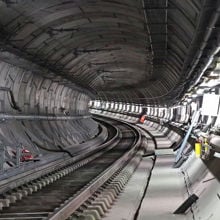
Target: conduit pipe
{"x":209,"y":29}
{"x":4,"y":117}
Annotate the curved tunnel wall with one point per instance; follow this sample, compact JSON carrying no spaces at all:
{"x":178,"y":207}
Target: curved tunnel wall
{"x":121,"y":51}
{"x":26,"y":93}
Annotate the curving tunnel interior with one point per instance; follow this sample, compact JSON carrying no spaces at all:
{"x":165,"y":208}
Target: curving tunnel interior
{"x":62,"y":60}
{"x":57,"y":55}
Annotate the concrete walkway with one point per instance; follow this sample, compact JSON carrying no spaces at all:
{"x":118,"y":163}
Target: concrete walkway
{"x":166,"y":191}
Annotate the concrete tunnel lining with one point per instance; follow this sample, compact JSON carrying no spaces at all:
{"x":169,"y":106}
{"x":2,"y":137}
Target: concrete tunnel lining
{"x":56,"y":56}
{"x":37,"y":95}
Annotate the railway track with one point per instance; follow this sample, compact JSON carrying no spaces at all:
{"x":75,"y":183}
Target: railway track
{"x":58,"y":194}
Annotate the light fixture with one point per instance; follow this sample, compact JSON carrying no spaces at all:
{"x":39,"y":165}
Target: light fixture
{"x":199,"y":91}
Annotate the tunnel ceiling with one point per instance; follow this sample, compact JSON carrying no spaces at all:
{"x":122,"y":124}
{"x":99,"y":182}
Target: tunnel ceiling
{"x":121,"y":50}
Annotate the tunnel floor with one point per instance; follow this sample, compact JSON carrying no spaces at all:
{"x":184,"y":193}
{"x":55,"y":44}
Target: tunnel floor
{"x":166,"y":191}
{"x":165,"y":187}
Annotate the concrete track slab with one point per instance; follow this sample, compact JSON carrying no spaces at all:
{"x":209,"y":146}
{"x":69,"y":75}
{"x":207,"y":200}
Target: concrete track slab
{"x":127,"y":204}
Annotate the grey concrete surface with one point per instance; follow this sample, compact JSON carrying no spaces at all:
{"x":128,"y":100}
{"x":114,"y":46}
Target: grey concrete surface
{"x":128,"y":202}
{"x":165,"y":193}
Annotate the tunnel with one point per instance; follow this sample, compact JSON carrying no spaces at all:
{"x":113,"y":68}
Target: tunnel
{"x":84,"y":81}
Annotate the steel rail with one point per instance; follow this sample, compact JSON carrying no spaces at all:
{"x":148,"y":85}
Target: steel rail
{"x":98,"y":180}
{"x":13,"y":178}
{"x":113,"y":158}
{"x":74,"y":203}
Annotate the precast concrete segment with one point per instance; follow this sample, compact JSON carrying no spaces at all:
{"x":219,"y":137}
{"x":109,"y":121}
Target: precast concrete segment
{"x":25,"y":95}
{"x":100,"y":44}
